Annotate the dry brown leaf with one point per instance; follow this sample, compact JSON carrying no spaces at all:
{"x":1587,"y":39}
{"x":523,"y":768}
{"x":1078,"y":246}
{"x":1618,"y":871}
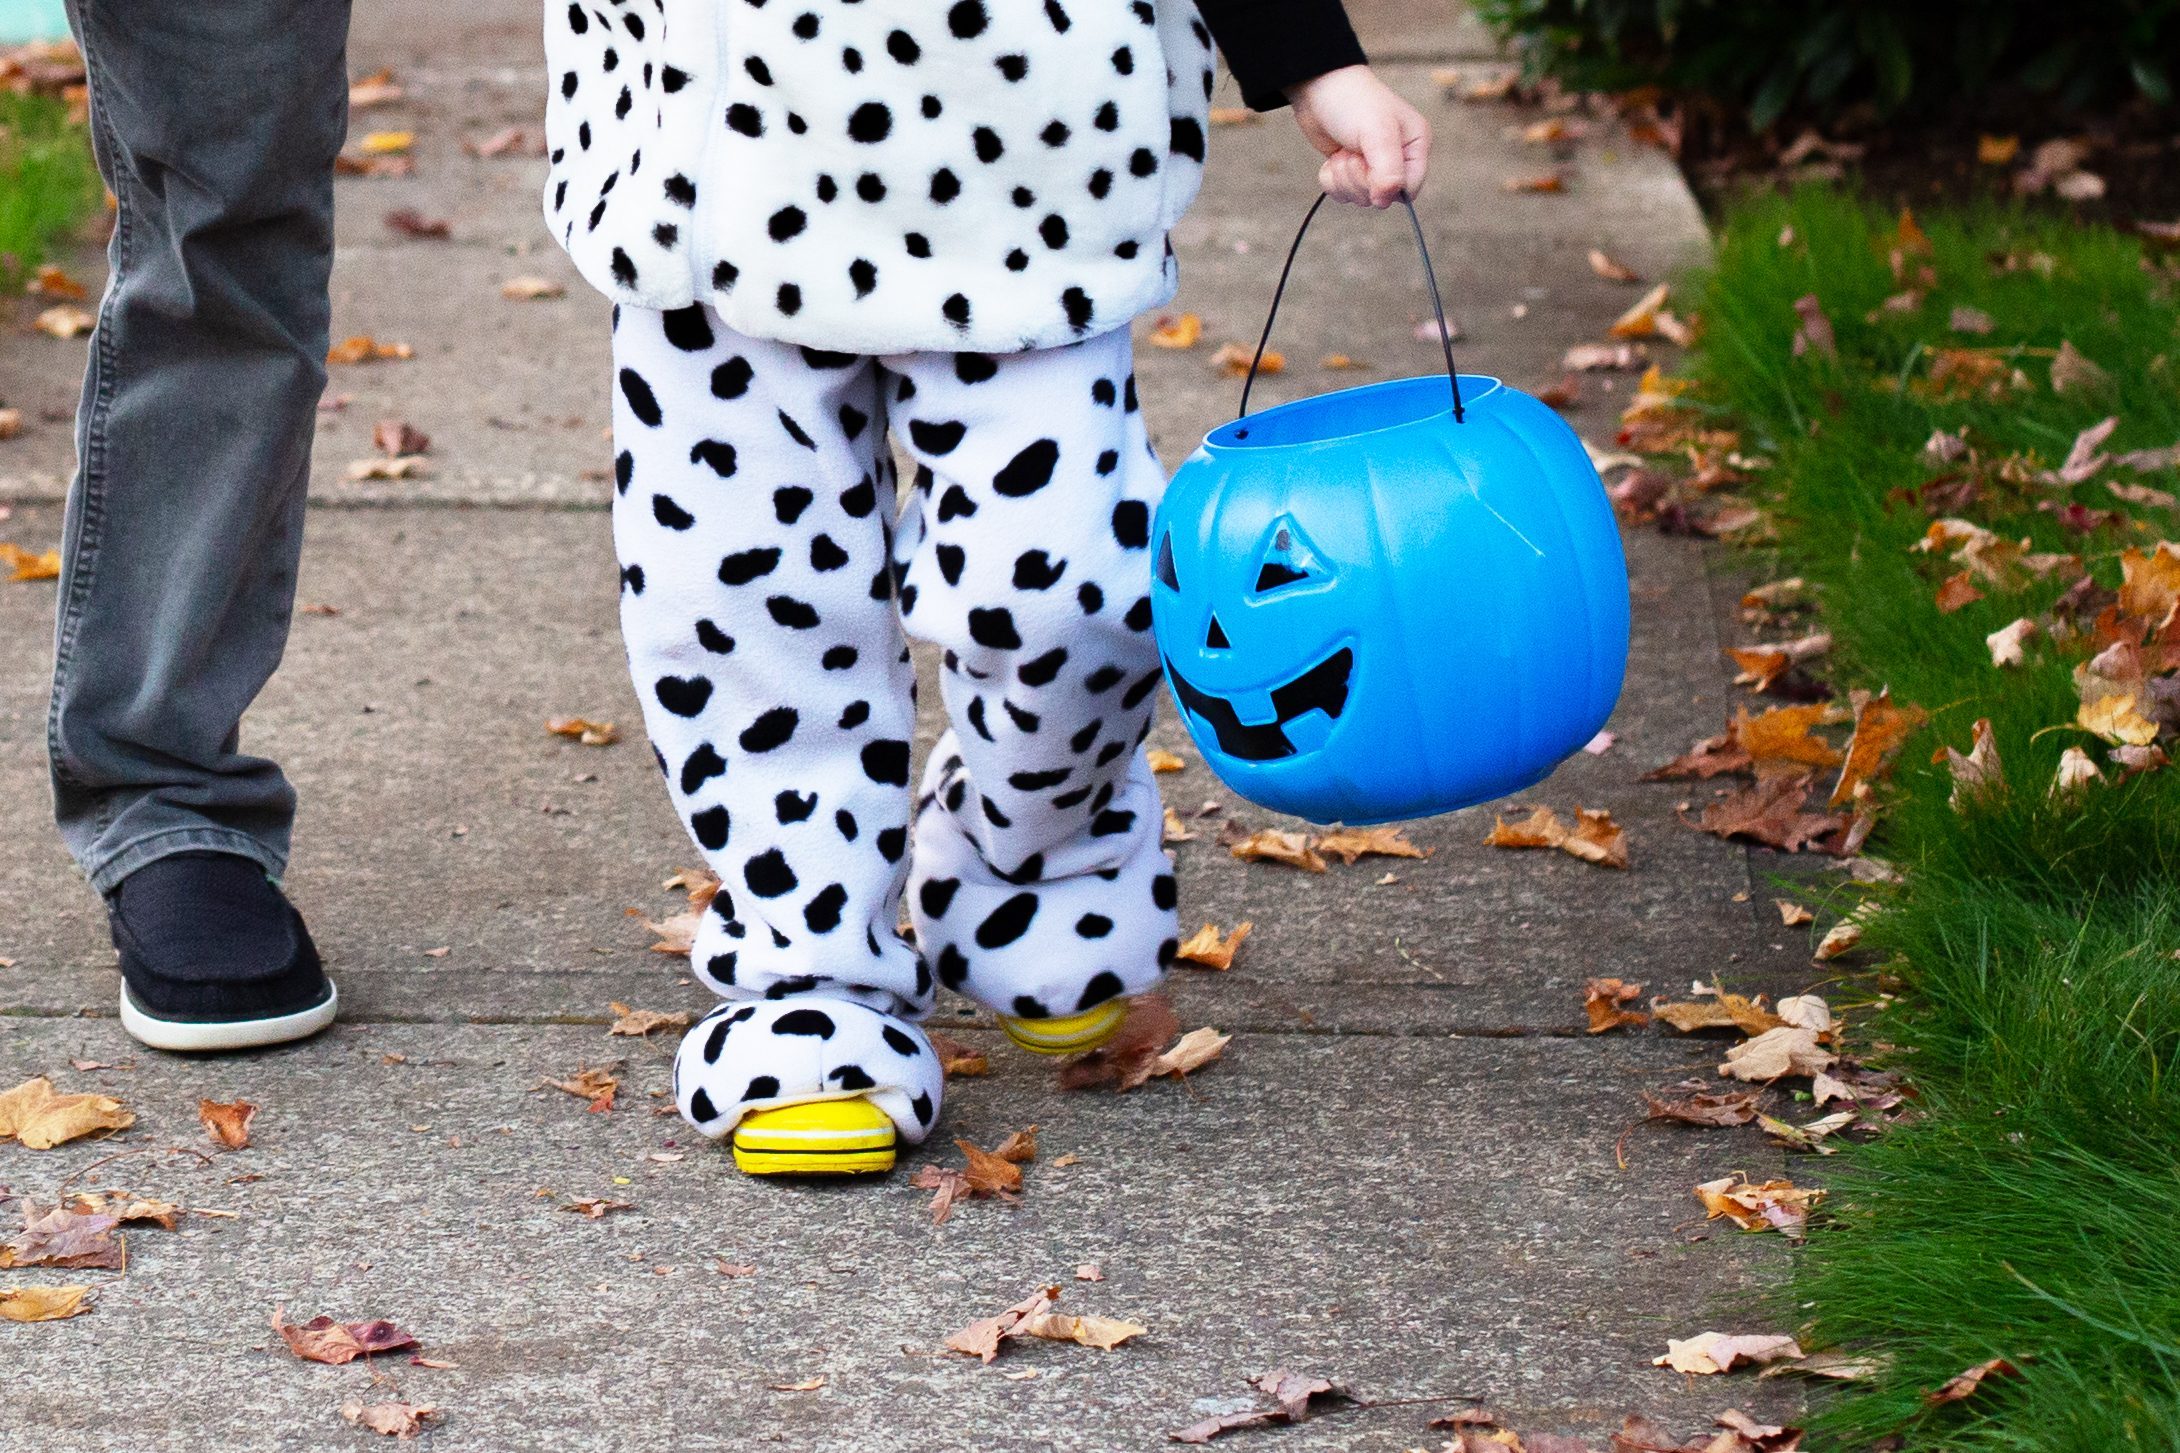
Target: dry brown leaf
{"x":1808,"y":1137}
{"x":1782,"y":735}
{"x":1234,"y":116}
{"x":1595,"y":838}
{"x":1176,"y":331}
{"x":1815,"y":333}
{"x":407,"y":467}
{"x":414,"y":224}
{"x":2008,"y":643}
{"x":1338,"y":363}
{"x":1997,"y":150}
{"x":1164,"y":761}
{"x":1273,"y":845}
{"x":1693,"y":1102}
{"x":1350,"y":843}
{"x":1792,"y":914}
{"x":1127,"y":1059}
{"x":1234,"y":359}
{"x":1965,"y":1384}
{"x":1209,"y":948}
{"x":2150,"y":582}
{"x":23,"y":564}
{"x":1292,"y":1392}
{"x":1771,"y":812}
{"x":1979,"y":774}
{"x":67,"y":1236}
{"x":509,"y":140}
{"x":638,"y":1023}
{"x":1602,"y":1000}
{"x":1774,"y":1205}
{"x":981,"y":1338}
{"x":1641,"y":320}
{"x":40,"y":1119}
{"x":321,"y":1339}
{"x":595,"y":1208}
{"x":1020,"y":1146}
{"x":1775,"y":1054}
{"x":395,"y":1420}
{"x":1191,"y":1052}
{"x":582,"y":729}
{"x":50,"y":281}
{"x":377,"y":89}
{"x":1706,"y":759}
{"x":1880,"y":728}
{"x":363,"y":348}
{"x":11,"y":423}
{"x":1606,"y":267}
{"x":2075,"y":775}
{"x":1536,"y":182}
{"x":957,"y":1059}
{"x":1723,"y":1011}
{"x":43,"y":1304}
{"x":1104,"y":1333}
{"x":1175,"y":830}
{"x":2117,"y":720}
{"x":1712,"y":1352}
{"x":2072,"y":372}
{"x":1840,"y":938}
{"x":988,"y":1174}
{"x":65,"y":320}
{"x":1089,"y":1271}
{"x":593,"y":1084}
{"x":397,"y":437}
{"x":528,"y":289}
{"x":227,"y":1124}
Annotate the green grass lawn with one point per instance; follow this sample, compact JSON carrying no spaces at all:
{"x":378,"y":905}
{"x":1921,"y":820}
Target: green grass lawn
{"x":48,"y":183}
{"x":2033,"y":1212}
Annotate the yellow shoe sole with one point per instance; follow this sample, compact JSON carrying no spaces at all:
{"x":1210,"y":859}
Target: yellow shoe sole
{"x":1071,"y":1035}
{"x":818,"y":1138}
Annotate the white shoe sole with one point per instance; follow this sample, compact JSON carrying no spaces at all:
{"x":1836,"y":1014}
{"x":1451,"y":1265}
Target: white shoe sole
{"x":197,"y":1036}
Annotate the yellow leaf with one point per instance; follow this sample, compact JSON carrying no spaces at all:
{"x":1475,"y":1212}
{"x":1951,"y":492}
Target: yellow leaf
{"x":387,"y":143}
{"x":1104,"y":1333}
{"x":1350,"y":843}
{"x":23,"y":565}
{"x":1207,"y":947}
{"x":581,"y":729}
{"x":2150,"y":582}
{"x":1170,"y":331}
{"x":1176,"y":831}
{"x":1165,"y":761}
{"x":40,"y":1119}
{"x":42,"y":1304}
{"x":1271,"y":845}
{"x":1880,"y":728}
{"x":2115,"y":719}
{"x":1782,"y":734}
{"x":1641,"y":321}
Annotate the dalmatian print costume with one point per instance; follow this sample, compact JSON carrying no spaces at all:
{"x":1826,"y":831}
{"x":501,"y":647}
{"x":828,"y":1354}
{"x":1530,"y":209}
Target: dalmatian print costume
{"x":878,"y":175}
{"x":824,"y":222}
{"x":768,"y":569}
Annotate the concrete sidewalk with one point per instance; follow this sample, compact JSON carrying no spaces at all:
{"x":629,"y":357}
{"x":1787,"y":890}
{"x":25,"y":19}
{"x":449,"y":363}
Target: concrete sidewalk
{"x":1401,"y":1175}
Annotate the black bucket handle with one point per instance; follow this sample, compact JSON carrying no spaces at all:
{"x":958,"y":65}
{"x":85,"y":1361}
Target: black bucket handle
{"x":1438,"y":307}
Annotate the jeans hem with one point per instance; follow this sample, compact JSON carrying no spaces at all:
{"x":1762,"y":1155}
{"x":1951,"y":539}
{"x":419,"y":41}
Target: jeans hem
{"x":108,"y":871}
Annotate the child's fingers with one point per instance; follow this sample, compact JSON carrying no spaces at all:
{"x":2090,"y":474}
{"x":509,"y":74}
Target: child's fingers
{"x":1344,"y":178}
{"x":1416,"y":156}
{"x":1381,"y":144}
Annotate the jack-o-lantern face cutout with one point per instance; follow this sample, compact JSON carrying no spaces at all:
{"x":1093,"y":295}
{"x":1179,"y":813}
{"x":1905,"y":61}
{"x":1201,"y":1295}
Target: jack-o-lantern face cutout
{"x":1294,"y":715}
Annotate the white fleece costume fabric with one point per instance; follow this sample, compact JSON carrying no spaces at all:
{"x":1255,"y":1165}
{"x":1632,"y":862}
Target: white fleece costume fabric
{"x":878,"y":175}
{"x":767,"y":576}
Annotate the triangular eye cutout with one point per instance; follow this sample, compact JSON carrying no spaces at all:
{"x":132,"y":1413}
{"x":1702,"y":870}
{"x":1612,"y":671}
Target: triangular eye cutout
{"x":1275,"y":574}
{"x":1164,"y":568}
{"x":1215,"y":638}
{"x":1287,"y":558}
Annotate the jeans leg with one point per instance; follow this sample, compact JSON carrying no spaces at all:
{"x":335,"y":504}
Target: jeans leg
{"x":215,"y":126}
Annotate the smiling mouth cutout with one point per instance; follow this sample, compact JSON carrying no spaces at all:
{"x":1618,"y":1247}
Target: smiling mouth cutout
{"x":1321,"y":688}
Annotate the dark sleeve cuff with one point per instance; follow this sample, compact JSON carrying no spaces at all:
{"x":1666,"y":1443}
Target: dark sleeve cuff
{"x":1273,"y":44}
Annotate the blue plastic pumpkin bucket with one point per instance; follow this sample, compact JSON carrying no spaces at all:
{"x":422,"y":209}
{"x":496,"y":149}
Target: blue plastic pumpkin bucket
{"x":1391,"y":601}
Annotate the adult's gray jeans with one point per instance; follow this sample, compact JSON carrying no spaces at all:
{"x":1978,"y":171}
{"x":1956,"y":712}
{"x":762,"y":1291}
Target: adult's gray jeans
{"x":216,"y":123}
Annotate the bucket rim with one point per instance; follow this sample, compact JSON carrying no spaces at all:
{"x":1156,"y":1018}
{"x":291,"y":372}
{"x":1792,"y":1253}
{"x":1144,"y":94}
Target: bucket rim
{"x":1476,"y":389}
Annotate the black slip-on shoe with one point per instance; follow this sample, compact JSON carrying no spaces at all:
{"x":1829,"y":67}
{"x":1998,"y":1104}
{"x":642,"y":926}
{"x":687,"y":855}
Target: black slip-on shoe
{"x":214,"y":957}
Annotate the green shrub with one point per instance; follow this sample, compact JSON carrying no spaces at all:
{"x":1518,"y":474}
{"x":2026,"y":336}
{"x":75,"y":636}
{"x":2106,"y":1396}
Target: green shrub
{"x":1771,"y":59}
{"x":48,"y":182}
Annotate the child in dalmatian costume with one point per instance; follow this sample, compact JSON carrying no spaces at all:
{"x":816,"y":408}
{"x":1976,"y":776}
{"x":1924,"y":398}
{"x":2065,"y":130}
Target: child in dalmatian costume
{"x":830,"y":223}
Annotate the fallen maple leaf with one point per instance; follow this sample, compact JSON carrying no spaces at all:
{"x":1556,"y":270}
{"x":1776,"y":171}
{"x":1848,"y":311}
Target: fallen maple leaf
{"x":1595,"y":838}
{"x":27,"y":565}
{"x":1191,"y":1052}
{"x":1774,"y":1205}
{"x":397,"y":437}
{"x":1712,"y":1352}
{"x":1103,"y":1333}
{"x":1164,"y":761}
{"x":637,"y":1023}
{"x":1706,"y":759}
{"x":1293,"y":1392}
{"x":1770,"y":812}
{"x":395,"y":1420}
{"x":1775,"y":1054}
{"x":956,"y":1059}
{"x":227,"y":1124}
{"x":1606,"y":267}
{"x":595,"y":1085}
{"x":126,"y":1208}
{"x":988,"y":1174}
{"x":1965,"y":1384}
{"x":582,"y":729}
{"x":1349,"y":843}
{"x":1723,"y":1011}
{"x":1170,"y":331}
{"x":321,"y":1339}
{"x":981,"y":1338}
{"x":1840,"y":938}
{"x":528,"y":289}
{"x":1880,"y":728}
{"x":1782,"y":734}
{"x":66,"y":1236}
{"x":42,"y":1304}
{"x":363,"y":348}
{"x":596,"y":1208}
{"x":1207,"y":947}
{"x":1792,"y":914}
{"x":2150,"y":582}
{"x":1695,"y":1103}
{"x":64,"y":320}
{"x":414,"y":224}
{"x":1641,"y":320}
{"x":1273,"y":845}
{"x":1602,"y":1000}
{"x":33,"y":1114}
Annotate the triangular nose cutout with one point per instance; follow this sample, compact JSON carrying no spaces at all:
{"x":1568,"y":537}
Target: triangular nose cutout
{"x":1215,"y":639}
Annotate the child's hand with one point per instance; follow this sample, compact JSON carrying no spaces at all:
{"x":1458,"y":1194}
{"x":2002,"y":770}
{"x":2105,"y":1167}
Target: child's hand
{"x":1375,"y":145}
